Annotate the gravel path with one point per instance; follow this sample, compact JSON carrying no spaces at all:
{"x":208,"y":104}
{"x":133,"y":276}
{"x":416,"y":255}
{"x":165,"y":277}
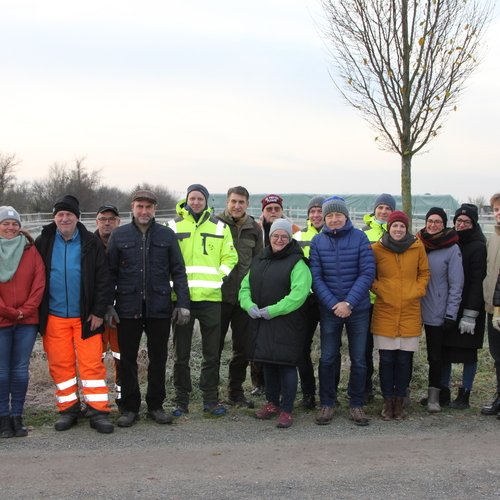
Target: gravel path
{"x":426,"y":456}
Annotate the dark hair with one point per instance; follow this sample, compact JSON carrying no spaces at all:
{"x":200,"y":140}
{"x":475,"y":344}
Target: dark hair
{"x":238,"y":190}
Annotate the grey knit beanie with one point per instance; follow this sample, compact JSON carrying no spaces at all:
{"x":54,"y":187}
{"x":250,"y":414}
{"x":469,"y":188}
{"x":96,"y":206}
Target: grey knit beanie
{"x":9,"y":213}
{"x":200,"y":188}
{"x":317,"y":201}
{"x":385,"y":199}
{"x":335,"y":204}
{"x":284,"y":224}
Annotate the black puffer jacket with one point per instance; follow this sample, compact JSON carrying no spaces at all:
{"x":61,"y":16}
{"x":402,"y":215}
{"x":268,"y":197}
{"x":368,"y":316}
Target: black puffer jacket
{"x":96,"y":293}
{"x":142,"y":266}
{"x":281,"y":339}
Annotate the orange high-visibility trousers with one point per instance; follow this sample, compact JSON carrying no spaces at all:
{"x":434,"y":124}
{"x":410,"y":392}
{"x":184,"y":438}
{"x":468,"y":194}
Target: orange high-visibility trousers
{"x":66,"y":350}
{"x":110,"y":337}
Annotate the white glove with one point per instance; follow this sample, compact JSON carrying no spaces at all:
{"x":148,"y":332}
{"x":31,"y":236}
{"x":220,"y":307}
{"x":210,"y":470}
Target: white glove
{"x":496,"y":319}
{"x":181,"y":316}
{"x":264,"y":312}
{"x":111,"y":315}
{"x":468,"y":321}
{"x":254,"y":312}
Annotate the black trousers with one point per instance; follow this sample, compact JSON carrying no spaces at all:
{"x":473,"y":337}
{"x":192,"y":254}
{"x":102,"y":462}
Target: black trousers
{"x":494,"y":344}
{"x":232,"y":314}
{"x":129,"y":338}
{"x":434,"y":335}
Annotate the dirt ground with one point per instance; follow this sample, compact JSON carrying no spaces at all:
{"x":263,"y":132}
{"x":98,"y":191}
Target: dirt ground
{"x":426,"y":456}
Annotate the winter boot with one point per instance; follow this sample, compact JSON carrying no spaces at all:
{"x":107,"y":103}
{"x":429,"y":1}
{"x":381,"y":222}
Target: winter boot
{"x":99,"y":420}
{"x":493,"y":408}
{"x":68,"y":418}
{"x":6,"y":430}
{"x":399,"y":410}
{"x":388,"y":409}
{"x":462,"y":400}
{"x":444,"y":396}
{"x":433,"y":400}
{"x":20,"y":430}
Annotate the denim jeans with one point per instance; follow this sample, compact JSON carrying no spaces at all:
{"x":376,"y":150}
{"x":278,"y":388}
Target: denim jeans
{"x":16,"y":344}
{"x":468,"y":375}
{"x":331,"y":328}
{"x":395,"y":372}
{"x":281,"y":380}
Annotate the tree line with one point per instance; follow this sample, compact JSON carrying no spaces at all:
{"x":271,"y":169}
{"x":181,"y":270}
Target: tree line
{"x":38,"y":196}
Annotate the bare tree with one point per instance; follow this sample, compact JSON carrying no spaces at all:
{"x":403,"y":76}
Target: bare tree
{"x":8,"y":164}
{"x":404,"y":64}
{"x":480,"y":201}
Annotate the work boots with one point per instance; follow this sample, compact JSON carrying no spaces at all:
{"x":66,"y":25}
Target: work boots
{"x":68,"y":418}
{"x":99,"y":420}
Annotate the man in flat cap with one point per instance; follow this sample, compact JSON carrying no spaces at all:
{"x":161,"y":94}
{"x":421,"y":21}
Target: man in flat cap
{"x":144,"y":258}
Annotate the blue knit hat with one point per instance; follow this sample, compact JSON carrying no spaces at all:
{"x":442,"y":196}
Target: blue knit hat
{"x":385,"y":199}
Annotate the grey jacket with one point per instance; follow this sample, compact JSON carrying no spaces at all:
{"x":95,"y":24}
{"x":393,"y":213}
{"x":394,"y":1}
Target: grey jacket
{"x":444,"y":291}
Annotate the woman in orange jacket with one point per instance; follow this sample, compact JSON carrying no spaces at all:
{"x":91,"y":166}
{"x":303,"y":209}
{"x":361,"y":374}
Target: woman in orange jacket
{"x":400,"y":283}
{"x":22,"y":282}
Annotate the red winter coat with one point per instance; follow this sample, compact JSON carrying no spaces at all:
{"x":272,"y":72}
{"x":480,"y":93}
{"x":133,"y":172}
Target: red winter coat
{"x":24,"y":291}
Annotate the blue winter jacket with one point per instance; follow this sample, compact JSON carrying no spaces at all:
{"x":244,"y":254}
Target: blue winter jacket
{"x":342,"y":267}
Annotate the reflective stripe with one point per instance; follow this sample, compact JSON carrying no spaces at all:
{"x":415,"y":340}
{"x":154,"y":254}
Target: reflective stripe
{"x":93,"y":383}
{"x":201,"y":270}
{"x":103,"y":355}
{"x":65,"y":399}
{"x":220,"y":228}
{"x":96,"y":397}
{"x":118,"y":388}
{"x":116,"y":355}
{"x":204,"y":284}
{"x":67,"y":383}
{"x":225,"y":269}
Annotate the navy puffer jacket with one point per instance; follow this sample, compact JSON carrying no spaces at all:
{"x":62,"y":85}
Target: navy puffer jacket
{"x":342,"y":267}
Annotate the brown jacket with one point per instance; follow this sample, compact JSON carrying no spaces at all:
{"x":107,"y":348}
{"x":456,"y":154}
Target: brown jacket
{"x":399,"y":285}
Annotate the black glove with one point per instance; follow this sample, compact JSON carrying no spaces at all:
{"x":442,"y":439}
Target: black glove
{"x":449,"y":324}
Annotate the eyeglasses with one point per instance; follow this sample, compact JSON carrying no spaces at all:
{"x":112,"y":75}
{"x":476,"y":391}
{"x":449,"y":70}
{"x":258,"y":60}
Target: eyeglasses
{"x":273,"y":209}
{"x":106,"y":219}
{"x":282,"y":237}
{"x":434,"y":221}
{"x":463,"y":222}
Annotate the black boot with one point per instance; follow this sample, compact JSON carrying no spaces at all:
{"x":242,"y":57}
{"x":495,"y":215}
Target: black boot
{"x":6,"y":430}
{"x":68,"y":418}
{"x":99,"y":420}
{"x":444,"y":396}
{"x":20,"y":430}
{"x":493,"y":408}
{"x":462,"y":400}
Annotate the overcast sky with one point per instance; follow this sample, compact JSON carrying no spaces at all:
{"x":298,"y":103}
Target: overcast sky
{"x":220,"y":92}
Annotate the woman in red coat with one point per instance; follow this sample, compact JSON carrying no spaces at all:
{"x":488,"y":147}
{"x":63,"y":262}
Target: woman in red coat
{"x":22,"y":282}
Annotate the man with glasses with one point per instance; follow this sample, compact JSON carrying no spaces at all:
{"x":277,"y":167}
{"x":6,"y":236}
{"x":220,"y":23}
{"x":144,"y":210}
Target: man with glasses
{"x":107,"y":219}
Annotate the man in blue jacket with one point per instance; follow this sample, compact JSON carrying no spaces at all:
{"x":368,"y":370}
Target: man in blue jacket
{"x":343,"y":269}
{"x":144,"y":257}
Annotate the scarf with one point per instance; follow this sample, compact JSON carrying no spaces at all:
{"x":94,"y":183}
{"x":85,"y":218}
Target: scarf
{"x":11,"y":252}
{"x":444,"y":239}
{"x":397,"y":246}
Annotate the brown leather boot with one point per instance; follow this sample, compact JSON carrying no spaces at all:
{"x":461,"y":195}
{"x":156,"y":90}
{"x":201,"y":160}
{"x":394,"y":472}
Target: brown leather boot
{"x":388,"y":409}
{"x":399,"y":411}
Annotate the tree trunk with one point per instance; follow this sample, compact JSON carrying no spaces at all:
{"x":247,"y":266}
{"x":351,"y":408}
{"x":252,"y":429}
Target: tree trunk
{"x":406,"y":186}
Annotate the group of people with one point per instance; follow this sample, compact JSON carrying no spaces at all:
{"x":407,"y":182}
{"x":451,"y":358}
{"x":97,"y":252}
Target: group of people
{"x":268,"y":280}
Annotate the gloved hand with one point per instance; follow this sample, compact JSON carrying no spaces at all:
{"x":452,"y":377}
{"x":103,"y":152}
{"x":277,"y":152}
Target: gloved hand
{"x":181,"y":316}
{"x":449,"y":323}
{"x":468,"y":321}
{"x":264,"y":312}
{"x":254,"y":312}
{"x":111,"y":318}
{"x":496,"y":319}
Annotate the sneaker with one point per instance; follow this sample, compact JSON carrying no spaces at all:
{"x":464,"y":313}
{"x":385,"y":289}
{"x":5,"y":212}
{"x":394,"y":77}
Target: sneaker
{"x":325,"y":415}
{"x":258,"y":391}
{"x":308,"y":402}
{"x":241,"y":401}
{"x":357,"y":415}
{"x":127,"y":419}
{"x":180,"y":410}
{"x":159,"y":416}
{"x":267,"y":411}
{"x":214,"y":409}
{"x":285,"y":420}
